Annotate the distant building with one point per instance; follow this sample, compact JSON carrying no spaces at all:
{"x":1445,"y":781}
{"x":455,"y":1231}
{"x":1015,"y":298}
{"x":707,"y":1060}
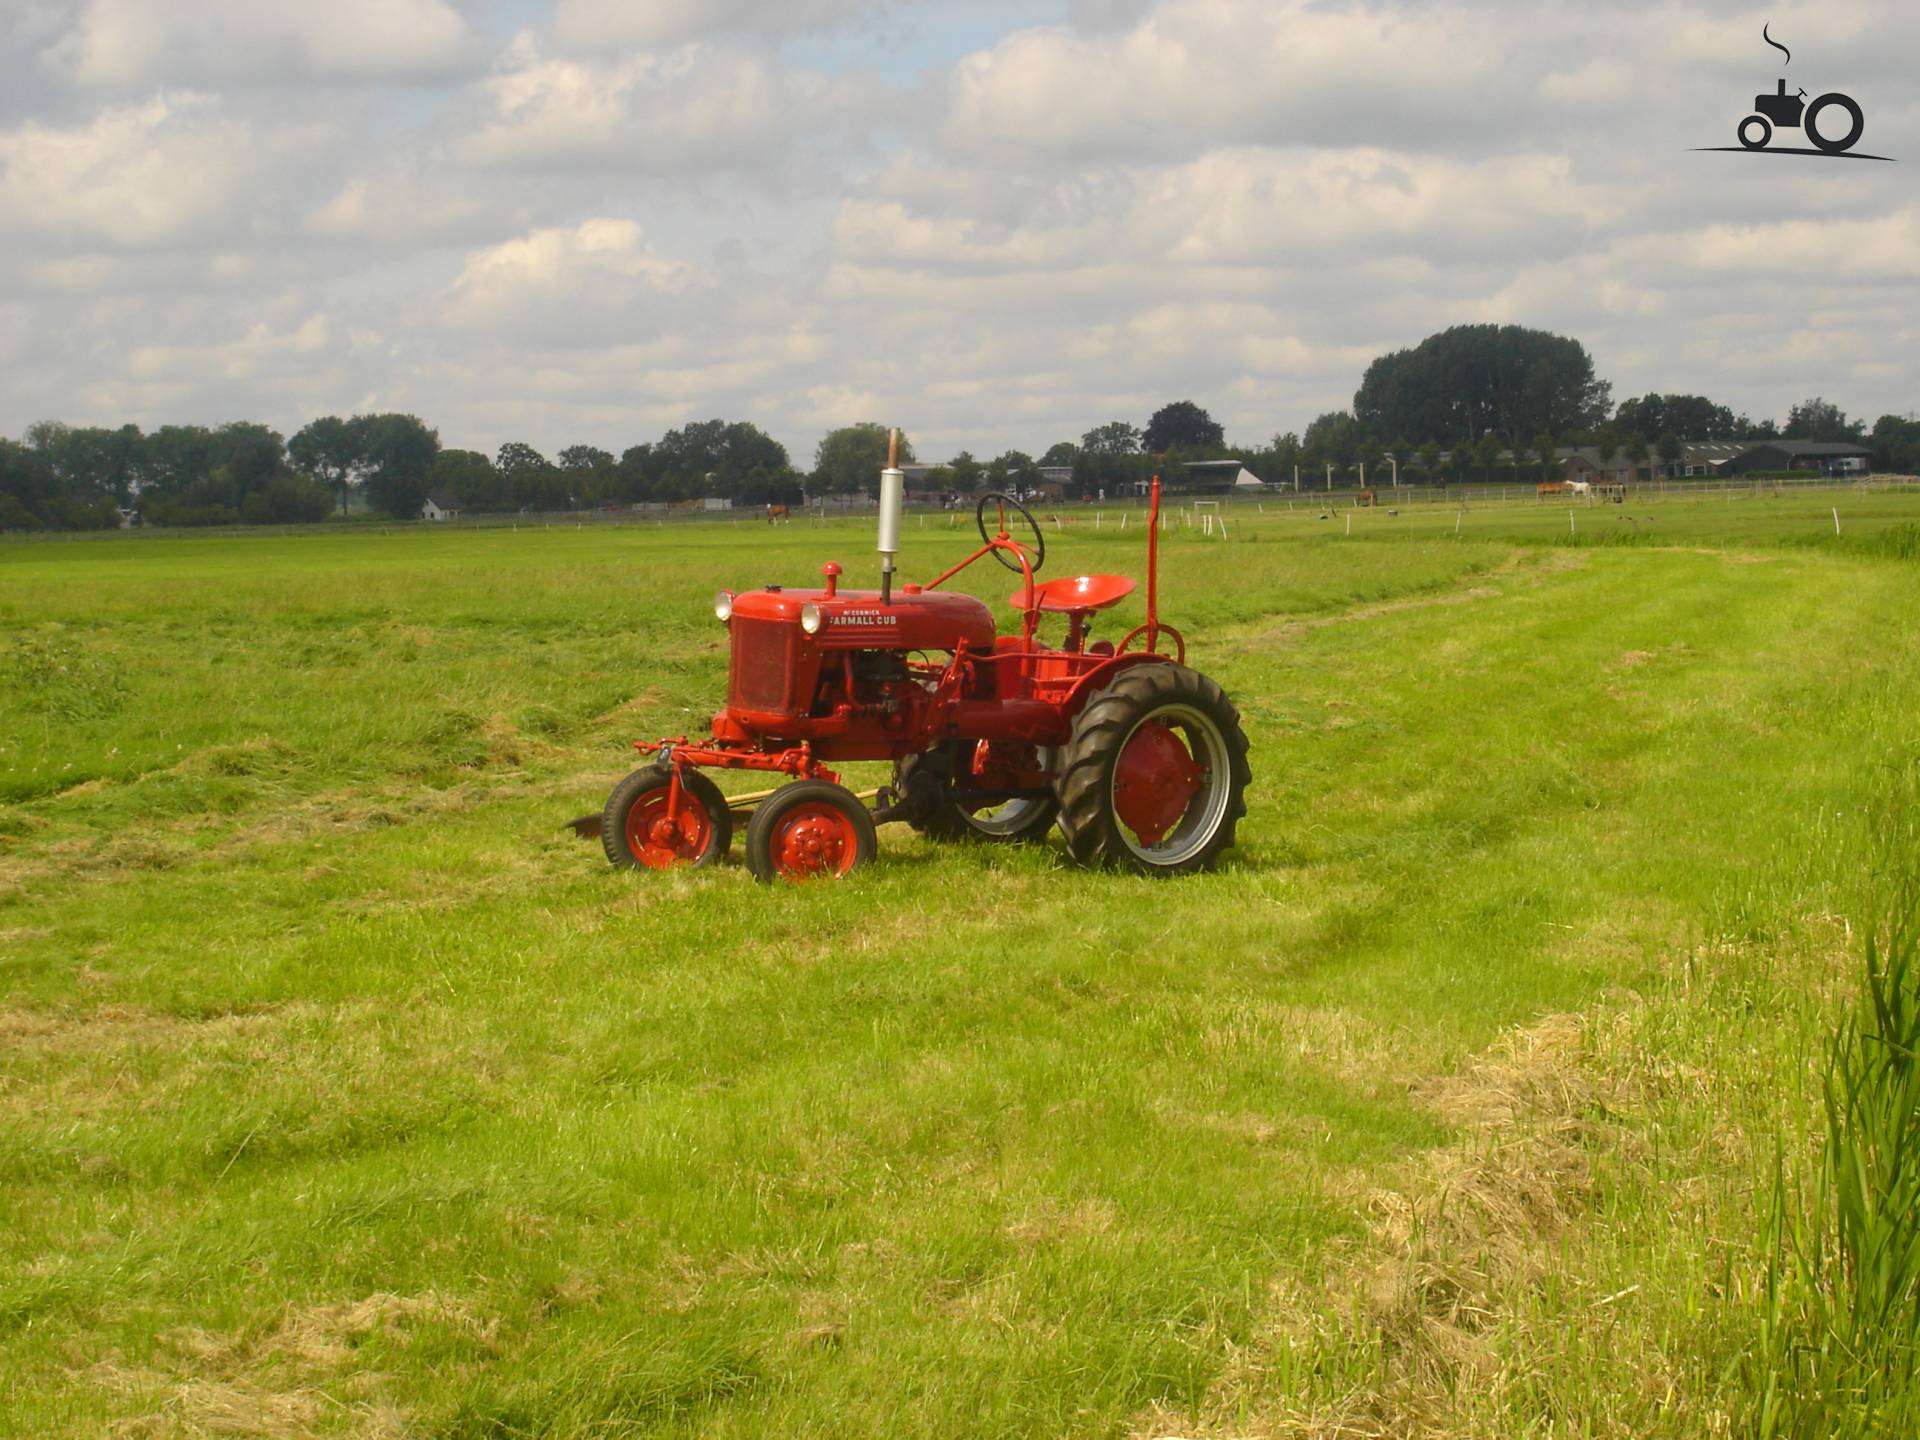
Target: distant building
{"x":1228,"y":477}
{"x":1697,"y":458}
{"x":439,"y":506}
{"x":1829,"y":457}
{"x":934,"y":484}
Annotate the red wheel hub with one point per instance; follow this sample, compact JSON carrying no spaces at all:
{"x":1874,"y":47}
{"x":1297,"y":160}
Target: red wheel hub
{"x":814,"y":840}
{"x":1154,"y":781}
{"x":660,"y":842}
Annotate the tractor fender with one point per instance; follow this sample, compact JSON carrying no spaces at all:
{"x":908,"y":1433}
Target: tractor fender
{"x":1096,"y":680}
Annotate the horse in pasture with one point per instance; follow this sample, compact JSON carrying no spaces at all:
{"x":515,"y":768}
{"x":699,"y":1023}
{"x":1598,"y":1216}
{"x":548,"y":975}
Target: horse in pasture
{"x":777,"y":513}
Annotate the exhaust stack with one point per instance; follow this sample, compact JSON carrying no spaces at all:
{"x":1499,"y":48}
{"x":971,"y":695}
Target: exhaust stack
{"x":893,"y":482}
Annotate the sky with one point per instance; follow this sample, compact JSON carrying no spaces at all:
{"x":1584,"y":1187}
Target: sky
{"x":996,"y":225}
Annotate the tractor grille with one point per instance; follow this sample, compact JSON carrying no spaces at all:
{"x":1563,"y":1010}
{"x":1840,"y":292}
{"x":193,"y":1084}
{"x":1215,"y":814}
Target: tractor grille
{"x":764,"y":665}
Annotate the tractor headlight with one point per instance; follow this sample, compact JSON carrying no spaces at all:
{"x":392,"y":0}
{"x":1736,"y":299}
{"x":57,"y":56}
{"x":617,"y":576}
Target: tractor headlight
{"x":723,"y":605}
{"x":810,"y":618}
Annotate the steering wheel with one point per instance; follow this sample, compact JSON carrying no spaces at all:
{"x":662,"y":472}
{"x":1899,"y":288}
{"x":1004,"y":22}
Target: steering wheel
{"x":1038,"y":550}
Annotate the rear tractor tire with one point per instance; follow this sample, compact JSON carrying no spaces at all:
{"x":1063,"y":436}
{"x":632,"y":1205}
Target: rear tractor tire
{"x":809,"y":830}
{"x":927,"y":780}
{"x":636,"y":833}
{"x":1154,"y":778}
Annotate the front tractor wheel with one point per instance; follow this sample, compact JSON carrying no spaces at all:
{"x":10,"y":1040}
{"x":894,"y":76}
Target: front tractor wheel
{"x":637,"y":832}
{"x":1155,"y":777}
{"x":811,"y":829}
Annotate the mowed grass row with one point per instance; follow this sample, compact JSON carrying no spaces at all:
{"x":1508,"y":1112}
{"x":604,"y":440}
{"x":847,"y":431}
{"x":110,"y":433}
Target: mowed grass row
{"x":344,"y":1092}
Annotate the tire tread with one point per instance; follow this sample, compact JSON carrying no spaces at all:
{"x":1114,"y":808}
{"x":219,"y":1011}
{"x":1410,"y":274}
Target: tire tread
{"x":1086,"y":815}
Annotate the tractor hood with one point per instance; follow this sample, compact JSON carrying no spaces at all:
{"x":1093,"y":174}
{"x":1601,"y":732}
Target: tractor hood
{"x":856,"y":619}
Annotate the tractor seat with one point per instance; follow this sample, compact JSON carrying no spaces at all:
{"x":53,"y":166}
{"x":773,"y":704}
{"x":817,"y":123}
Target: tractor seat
{"x":1075,"y":594}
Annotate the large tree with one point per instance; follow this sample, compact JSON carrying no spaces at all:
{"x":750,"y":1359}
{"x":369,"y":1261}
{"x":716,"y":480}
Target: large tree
{"x":29,"y":488}
{"x":1480,"y":378}
{"x":1819,"y":419}
{"x":734,"y":460}
{"x":288,"y":498}
{"x":400,"y":451}
{"x":1277,"y":463}
{"x":332,"y":451}
{"x":1182,"y":425}
{"x":91,"y":463}
{"x":585,"y":457}
{"x":1429,"y":456}
{"x":1692,"y":417}
{"x":1116,"y":437}
{"x":966,"y":471}
{"x":178,"y":457}
{"x":1546,"y":450}
{"x":1331,"y":439}
{"x":532,"y":481}
{"x":1486,"y":453}
{"x":1896,"y":443}
{"x":1015,"y":473}
{"x":470,"y":478}
{"x":852,"y":457}
{"x":1460,"y":460}
{"x":247,"y":456}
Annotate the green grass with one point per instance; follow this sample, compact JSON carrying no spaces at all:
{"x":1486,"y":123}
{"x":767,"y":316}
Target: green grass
{"x":344,"y":1093}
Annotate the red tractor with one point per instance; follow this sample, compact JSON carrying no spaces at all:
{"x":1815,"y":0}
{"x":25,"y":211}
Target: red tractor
{"x":1140,"y":760}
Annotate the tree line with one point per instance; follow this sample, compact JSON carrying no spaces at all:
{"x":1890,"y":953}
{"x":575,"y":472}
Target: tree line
{"x":1472,"y":400}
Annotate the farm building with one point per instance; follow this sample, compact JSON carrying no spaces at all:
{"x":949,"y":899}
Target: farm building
{"x":1221,"y":476}
{"x":934,"y":484}
{"x":1696,"y":458}
{"x":1701,"y":458}
{"x":440,"y":506}
{"x":1826,"y":456}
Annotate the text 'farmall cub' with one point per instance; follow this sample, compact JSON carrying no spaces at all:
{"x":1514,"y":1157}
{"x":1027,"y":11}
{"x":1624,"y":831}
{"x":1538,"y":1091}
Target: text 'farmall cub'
{"x":1140,"y":760}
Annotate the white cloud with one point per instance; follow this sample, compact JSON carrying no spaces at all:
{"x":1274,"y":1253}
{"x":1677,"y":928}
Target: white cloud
{"x":1195,"y":73}
{"x":396,"y":209}
{"x":598,"y":24}
{"x":569,"y":286}
{"x":689,"y":111}
{"x":1241,"y":207}
{"x":136,"y":176}
{"x":1881,"y":248}
{"x":124,"y":43}
{"x":247,"y":357}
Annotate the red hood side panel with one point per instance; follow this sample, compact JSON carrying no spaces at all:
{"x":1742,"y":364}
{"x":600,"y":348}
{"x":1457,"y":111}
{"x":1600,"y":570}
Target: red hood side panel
{"x":856,"y":620}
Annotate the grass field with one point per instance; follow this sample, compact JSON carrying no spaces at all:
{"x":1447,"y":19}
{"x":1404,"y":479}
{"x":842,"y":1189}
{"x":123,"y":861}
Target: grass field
{"x":344,"y":1093}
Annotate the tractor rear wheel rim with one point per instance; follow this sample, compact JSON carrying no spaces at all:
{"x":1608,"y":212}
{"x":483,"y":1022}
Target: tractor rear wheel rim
{"x":1011,"y":817}
{"x":1200,"y":744}
{"x":814,"y":839}
{"x":660,"y":843}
